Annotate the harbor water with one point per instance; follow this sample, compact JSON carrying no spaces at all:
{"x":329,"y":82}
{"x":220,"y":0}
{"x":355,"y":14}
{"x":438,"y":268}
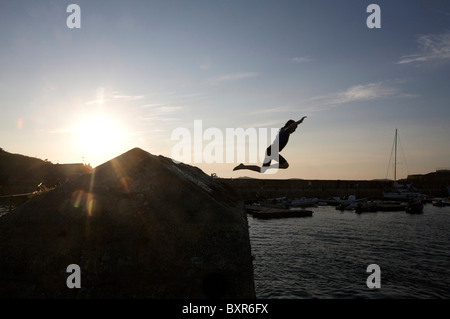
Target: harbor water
{"x":326,"y":256}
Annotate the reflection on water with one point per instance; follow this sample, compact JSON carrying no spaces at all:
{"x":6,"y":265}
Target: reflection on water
{"x":4,"y":209}
{"x":326,"y":256}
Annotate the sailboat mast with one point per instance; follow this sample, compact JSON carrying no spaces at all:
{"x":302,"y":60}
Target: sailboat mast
{"x":395,"y":159}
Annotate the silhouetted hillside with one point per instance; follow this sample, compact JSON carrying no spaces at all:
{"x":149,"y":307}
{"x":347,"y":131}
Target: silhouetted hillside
{"x":20,"y":173}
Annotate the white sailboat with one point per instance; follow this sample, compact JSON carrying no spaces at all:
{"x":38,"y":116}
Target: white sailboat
{"x":401,"y":192}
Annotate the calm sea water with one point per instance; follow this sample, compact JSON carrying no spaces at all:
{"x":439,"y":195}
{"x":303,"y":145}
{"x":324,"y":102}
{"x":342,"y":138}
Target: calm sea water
{"x":326,"y":256}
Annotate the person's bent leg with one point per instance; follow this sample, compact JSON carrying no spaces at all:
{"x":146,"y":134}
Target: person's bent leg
{"x":283,"y":163}
{"x":268,"y":157}
{"x":249,"y":167}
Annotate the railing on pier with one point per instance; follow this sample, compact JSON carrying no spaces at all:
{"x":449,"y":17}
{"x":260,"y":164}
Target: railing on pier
{"x":12,"y":200}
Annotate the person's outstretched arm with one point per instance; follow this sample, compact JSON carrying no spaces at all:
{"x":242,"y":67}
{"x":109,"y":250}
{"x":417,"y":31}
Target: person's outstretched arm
{"x":294,"y":125}
{"x":301,"y":120}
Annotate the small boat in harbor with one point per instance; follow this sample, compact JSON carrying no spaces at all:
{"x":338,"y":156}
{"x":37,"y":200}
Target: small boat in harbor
{"x":440,"y":203}
{"x":350,"y":203}
{"x":366,"y":207}
{"x":390,"y":206}
{"x":303,"y":202}
{"x":402,"y":192}
{"x":262,"y":212}
{"x":414,"y":208}
{"x":280,"y":202}
{"x":272,"y":213}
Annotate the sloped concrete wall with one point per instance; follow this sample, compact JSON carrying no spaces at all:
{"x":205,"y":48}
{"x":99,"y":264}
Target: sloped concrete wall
{"x":139,"y":226}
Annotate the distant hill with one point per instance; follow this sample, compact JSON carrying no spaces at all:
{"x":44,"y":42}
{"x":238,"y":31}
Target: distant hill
{"x":20,"y":173}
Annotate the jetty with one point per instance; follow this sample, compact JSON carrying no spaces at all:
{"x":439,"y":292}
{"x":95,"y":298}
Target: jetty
{"x":274,"y":213}
{"x":14,"y":200}
{"x":140,"y":226}
{"x":434,"y":184}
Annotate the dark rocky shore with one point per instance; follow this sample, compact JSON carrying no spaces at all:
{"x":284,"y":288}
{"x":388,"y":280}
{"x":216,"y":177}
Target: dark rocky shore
{"x":139,"y":226}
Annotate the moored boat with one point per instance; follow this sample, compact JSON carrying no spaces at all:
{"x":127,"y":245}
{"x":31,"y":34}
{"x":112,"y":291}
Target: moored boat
{"x":303,"y":202}
{"x":402,"y":192}
{"x":441,"y":203}
{"x":366,"y":207}
{"x":391,"y":206}
{"x":272,"y":213}
{"x":414,"y":208}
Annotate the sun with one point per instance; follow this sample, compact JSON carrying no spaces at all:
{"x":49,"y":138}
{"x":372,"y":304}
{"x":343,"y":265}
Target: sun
{"x":100,"y":137}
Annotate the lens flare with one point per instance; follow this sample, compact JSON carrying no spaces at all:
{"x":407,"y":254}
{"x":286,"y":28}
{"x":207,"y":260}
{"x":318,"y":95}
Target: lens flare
{"x":100,"y":137}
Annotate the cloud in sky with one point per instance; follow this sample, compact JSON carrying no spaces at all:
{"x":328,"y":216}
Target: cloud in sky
{"x":356,"y":93}
{"x":103,"y":96}
{"x":274,"y":110}
{"x":364,"y":93}
{"x":433,"y":47}
{"x":206,"y":65}
{"x":266,"y":124}
{"x":161,"y":113}
{"x":127,"y":97}
{"x":162,"y":110}
{"x":151,"y":105}
{"x":304,"y":59}
{"x":233,"y":77}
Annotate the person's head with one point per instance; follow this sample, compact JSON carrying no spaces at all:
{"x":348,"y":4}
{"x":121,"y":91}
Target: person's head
{"x":291,"y":128}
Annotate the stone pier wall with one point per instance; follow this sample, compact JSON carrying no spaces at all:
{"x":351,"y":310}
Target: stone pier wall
{"x":433,"y":184}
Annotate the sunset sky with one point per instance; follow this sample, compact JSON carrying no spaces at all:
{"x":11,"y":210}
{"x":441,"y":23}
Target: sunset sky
{"x":138,"y":70}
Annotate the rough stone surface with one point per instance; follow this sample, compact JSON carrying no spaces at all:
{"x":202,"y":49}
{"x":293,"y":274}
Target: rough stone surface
{"x":139,"y":226}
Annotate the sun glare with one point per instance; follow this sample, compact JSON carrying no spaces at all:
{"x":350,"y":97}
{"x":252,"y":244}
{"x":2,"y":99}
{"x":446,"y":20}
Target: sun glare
{"x":99,"y":138}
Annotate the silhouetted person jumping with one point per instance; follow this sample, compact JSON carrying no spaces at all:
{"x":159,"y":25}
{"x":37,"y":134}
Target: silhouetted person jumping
{"x":280,"y":141}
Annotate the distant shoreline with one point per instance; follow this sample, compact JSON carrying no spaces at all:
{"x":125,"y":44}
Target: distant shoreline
{"x":433,"y":184}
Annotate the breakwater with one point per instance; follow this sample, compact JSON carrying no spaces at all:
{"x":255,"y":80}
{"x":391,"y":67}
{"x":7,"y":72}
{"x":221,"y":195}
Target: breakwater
{"x":432,"y":184}
{"x":271,"y":188}
{"x":139,"y":226}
